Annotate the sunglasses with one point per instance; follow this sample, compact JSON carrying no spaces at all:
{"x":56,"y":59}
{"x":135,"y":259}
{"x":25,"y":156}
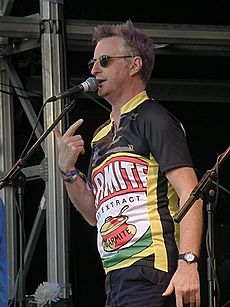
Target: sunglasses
{"x":104,"y":60}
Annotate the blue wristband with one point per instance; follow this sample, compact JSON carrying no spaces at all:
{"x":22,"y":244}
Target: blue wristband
{"x":70,"y":176}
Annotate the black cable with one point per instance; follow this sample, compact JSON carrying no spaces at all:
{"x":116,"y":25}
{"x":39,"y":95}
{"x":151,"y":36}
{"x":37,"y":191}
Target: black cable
{"x":33,"y":131}
{"x":99,"y":103}
{"x":19,"y":88}
{"x":217,"y":290}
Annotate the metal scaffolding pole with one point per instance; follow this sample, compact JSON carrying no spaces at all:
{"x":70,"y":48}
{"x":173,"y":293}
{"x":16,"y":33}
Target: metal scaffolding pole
{"x":6,"y":161}
{"x":53,"y":75}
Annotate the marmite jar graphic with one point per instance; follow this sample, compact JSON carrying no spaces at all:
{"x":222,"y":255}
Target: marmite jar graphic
{"x":116,"y":232}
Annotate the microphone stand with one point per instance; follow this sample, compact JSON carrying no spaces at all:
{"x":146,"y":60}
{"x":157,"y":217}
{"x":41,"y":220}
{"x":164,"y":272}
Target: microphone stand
{"x":22,"y":161}
{"x":11,"y":175}
{"x":205,"y":189}
{"x":20,"y":184}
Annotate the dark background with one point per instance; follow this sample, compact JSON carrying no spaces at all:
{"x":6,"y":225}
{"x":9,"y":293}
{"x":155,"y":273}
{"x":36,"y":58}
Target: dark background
{"x":207,"y":126}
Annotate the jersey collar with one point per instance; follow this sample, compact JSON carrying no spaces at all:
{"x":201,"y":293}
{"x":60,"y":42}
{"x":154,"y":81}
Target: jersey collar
{"x":133,"y":103}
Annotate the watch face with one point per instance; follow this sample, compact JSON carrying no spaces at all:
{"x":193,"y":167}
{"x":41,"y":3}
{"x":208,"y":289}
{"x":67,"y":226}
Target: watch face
{"x":189,"y":257}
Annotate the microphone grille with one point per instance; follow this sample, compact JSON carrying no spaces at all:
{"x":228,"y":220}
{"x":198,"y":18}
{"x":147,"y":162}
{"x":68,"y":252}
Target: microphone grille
{"x":92,"y":84}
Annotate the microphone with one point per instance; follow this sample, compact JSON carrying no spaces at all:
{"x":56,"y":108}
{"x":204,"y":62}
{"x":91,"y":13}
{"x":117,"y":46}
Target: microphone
{"x":89,"y":85}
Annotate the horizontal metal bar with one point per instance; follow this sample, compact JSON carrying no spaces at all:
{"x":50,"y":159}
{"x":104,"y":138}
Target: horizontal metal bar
{"x":81,"y":30}
{"x":161,"y":33}
{"x":20,"y":27}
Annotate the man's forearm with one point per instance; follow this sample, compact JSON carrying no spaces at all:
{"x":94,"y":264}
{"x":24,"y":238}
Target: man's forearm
{"x":191,"y":227}
{"x":82,"y":199}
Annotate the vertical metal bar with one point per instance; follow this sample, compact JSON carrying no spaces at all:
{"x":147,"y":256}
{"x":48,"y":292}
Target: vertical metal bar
{"x":5,"y":6}
{"x":53,"y":74}
{"x":6,"y":161}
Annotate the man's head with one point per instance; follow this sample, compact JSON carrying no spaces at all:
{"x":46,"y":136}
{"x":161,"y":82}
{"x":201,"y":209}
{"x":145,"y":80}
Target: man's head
{"x":135,"y":43}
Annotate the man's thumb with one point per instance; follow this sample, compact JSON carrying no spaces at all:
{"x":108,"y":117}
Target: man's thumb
{"x":169,"y":290}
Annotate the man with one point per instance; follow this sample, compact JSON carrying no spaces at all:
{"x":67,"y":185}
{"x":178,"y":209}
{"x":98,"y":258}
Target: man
{"x":140,"y":171}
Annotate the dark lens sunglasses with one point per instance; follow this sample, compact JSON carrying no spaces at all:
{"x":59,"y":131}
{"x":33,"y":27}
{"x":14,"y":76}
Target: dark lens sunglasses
{"x":104,"y":60}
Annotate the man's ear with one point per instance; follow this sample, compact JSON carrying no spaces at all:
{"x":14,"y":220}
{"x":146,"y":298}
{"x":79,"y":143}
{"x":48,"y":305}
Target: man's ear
{"x":135,"y":65}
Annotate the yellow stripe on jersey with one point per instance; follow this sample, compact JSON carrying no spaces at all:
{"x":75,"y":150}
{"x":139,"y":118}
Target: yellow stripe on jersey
{"x":130,"y":105}
{"x":103,"y":132}
{"x":173,"y":209}
{"x":161,"y":262}
{"x":133,"y":103}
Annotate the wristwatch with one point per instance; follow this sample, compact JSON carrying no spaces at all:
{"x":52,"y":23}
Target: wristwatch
{"x":189,"y":257}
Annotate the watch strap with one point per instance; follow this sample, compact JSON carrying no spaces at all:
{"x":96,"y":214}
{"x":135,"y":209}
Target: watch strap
{"x":189,"y":257}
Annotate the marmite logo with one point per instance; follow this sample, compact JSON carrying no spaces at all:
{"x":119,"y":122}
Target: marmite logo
{"x":116,"y":232}
{"x":117,"y":177}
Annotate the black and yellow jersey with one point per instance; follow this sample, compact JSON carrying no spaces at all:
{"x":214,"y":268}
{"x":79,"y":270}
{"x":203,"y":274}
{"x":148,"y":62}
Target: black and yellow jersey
{"x":134,"y":200}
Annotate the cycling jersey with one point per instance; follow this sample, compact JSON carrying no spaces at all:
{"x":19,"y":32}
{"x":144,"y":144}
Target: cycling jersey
{"x":134,"y":200}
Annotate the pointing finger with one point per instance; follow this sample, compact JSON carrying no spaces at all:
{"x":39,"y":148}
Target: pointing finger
{"x":72,"y":129}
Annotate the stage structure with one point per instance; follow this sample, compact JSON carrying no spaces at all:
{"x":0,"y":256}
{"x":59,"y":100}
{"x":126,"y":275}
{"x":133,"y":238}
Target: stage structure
{"x":48,"y":35}
{"x":49,"y":31}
